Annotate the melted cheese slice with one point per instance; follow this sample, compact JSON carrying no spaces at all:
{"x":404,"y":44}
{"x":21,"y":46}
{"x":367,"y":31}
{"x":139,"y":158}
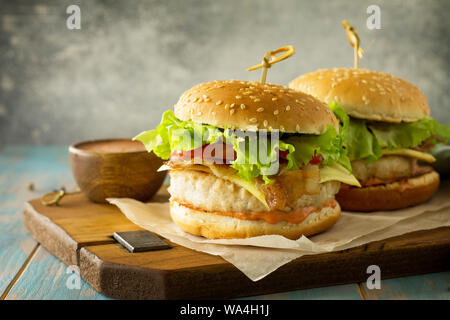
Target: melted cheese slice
{"x":230,"y":175}
{"x":337,"y":172}
{"x":411,"y":153}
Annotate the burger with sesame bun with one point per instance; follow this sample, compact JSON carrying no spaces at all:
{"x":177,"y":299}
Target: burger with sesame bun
{"x":388,"y":134}
{"x":248,"y":159}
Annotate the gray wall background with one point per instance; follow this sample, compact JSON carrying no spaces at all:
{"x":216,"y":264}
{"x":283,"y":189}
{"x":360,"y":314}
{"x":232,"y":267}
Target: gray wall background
{"x":131,"y":60}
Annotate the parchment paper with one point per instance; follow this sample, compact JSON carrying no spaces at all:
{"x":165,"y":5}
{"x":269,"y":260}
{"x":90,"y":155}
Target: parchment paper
{"x":259,"y":256}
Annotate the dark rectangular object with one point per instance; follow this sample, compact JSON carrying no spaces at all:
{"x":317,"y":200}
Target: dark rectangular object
{"x":140,"y":241}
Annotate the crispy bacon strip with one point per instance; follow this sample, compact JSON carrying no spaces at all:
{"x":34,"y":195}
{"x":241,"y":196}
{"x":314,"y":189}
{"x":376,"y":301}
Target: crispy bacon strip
{"x":290,"y":186}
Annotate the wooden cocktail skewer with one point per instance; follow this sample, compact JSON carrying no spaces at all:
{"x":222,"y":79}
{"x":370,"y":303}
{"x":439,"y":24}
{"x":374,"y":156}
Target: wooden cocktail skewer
{"x":353,"y":40}
{"x":54,"y":197}
{"x":267,"y":63}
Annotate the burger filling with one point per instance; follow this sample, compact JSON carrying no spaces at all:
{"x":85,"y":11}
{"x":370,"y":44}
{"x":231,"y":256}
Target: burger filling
{"x":383,"y":153}
{"x":240,"y":174}
{"x":206,"y":192}
{"x":388,"y":169}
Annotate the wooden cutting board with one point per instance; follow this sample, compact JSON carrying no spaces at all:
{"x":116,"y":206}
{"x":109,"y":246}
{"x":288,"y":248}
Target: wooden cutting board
{"x":79,"y":232}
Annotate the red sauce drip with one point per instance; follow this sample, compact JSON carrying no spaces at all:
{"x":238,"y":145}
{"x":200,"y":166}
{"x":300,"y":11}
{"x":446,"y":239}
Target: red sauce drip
{"x":295,"y":216}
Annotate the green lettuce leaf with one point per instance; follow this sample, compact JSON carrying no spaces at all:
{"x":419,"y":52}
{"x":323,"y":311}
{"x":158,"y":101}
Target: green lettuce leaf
{"x":174,"y":134}
{"x":365,"y":139}
{"x":357,"y":139}
{"x":329,"y":145}
{"x":402,"y":135}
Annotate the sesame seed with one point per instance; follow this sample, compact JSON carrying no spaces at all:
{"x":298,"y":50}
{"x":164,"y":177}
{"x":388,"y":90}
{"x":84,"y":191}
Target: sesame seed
{"x":207,"y":100}
{"x":232,"y":105}
{"x":226,"y":106}
{"x":265,"y":123}
{"x":275,"y":112}
{"x":232,"y":111}
{"x":363,"y":81}
{"x":253,"y":120}
{"x":260,"y":110}
{"x":274,"y":99}
{"x":219,"y":102}
{"x":288,"y":108}
{"x":242,"y":106}
{"x":238,"y":97}
{"x":257,"y":100}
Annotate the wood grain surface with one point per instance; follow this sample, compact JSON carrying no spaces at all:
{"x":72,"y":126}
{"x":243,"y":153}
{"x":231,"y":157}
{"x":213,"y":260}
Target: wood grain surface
{"x":79,"y":232}
{"x":27,"y":273}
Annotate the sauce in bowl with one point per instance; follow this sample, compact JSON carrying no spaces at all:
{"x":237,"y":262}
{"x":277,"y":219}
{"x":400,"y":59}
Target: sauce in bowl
{"x":111,"y":146}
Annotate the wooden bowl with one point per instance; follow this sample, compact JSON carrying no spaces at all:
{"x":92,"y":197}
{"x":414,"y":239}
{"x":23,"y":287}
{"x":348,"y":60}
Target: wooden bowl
{"x":115,"y":168}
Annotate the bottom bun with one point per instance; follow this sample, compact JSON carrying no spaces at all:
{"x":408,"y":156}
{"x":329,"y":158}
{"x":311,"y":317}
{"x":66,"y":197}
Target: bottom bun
{"x":214,"y":226}
{"x":391,"y":196}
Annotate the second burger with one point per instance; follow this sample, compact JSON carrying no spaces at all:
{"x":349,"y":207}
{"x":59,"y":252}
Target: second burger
{"x":388,"y":134}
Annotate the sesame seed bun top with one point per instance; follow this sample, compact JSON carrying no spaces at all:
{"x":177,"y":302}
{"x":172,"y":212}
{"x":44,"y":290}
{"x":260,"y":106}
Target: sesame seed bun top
{"x":366,"y":94}
{"x":253,"y":106}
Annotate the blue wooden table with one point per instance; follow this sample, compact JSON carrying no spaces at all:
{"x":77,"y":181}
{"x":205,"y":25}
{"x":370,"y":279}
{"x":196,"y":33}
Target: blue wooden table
{"x":29,"y":271}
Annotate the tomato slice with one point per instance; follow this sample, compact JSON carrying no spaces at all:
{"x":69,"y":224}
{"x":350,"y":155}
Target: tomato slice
{"x":316,"y":159}
{"x":218,"y":153}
